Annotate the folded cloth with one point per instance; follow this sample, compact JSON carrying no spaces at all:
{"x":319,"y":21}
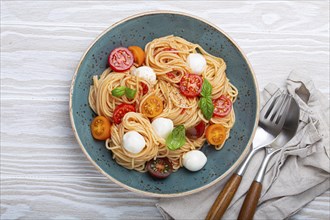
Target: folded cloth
{"x":295,"y":175}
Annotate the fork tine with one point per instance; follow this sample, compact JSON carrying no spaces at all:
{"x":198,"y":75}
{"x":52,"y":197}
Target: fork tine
{"x":268,"y":106}
{"x":278,"y":103}
{"x":281,"y":115}
{"x":278,"y":113}
{"x":276,"y":110}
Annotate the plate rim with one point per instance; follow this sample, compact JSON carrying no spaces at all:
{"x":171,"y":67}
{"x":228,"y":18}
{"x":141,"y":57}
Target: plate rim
{"x":152,"y":194}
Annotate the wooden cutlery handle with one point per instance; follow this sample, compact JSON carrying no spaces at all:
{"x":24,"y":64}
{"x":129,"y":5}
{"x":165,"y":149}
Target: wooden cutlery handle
{"x":251,"y":201}
{"x":224,"y":198}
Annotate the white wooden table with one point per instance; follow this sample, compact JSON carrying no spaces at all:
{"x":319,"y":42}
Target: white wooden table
{"x":44,"y":174}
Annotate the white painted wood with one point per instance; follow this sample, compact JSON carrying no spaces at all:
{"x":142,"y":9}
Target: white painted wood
{"x":44,"y":174}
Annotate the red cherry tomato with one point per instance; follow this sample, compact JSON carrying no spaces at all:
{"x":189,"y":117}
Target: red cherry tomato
{"x":121,"y":59}
{"x":183,"y":111}
{"x":191,"y":85}
{"x":145,"y":88}
{"x":222,"y":106}
{"x":120,"y":112}
{"x":170,"y":75}
{"x":160,"y":168}
{"x":197,"y":131}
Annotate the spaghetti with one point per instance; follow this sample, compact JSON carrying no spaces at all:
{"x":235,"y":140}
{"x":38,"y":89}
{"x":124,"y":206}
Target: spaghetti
{"x":167,"y":56}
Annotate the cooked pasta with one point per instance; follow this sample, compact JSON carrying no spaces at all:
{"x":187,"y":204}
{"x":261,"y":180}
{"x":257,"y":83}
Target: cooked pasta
{"x":168,"y":58}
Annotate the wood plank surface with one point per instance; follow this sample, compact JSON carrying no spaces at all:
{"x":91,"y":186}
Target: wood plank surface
{"x":44,"y":174}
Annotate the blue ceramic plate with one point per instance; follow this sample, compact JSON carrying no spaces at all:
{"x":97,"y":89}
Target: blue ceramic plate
{"x":139,"y":30}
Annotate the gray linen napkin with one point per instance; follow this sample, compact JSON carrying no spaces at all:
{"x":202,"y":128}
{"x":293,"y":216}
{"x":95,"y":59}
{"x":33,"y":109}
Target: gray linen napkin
{"x":295,"y":176}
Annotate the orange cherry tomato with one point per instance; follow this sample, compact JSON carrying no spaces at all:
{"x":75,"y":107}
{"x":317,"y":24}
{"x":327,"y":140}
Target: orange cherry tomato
{"x":216,"y":134}
{"x":152,"y":106}
{"x":138,"y":53}
{"x":101,"y":128}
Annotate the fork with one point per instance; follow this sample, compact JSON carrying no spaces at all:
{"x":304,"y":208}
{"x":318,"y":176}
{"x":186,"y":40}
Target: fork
{"x":252,"y":197}
{"x":275,"y":116}
{"x":271,"y":121}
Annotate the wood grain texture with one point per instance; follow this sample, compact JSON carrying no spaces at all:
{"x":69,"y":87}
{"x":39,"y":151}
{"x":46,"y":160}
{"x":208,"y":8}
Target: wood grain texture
{"x":224,"y":198}
{"x":44,"y":174}
{"x":250,"y":202}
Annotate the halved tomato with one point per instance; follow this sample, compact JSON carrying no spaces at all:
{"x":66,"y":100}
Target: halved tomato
{"x":120,"y":111}
{"x":183,"y":111}
{"x":121,"y":59}
{"x":170,"y":75}
{"x":197,"y":131}
{"x":101,"y":128}
{"x":145,"y":88}
{"x":138,"y":53}
{"x":216,"y":134}
{"x":152,"y":106}
{"x":160,"y":168}
{"x":191,"y":85}
{"x":222,"y":106}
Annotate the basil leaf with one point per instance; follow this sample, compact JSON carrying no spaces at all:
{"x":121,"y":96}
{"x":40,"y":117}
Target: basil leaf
{"x":119,"y":91}
{"x":206,"y":88}
{"x":130,"y":93}
{"x":207,"y":107}
{"x":177,"y":138}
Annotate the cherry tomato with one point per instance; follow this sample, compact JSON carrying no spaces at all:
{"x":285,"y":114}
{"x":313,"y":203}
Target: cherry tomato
{"x":160,"y":168}
{"x":121,"y":110}
{"x":101,"y":128}
{"x":121,"y":59}
{"x":216,"y":134}
{"x":145,"y":88}
{"x":191,"y":85}
{"x":183,"y":111}
{"x":170,"y":75}
{"x":138,"y":53}
{"x":197,"y":131}
{"x":222,"y":106}
{"x":152,"y":106}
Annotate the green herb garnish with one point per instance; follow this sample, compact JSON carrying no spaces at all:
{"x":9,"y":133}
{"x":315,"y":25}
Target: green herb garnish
{"x":206,"y":88}
{"x":119,"y":91}
{"x":130,"y":93}
{"x":207,"y":107}
{"x":177,"y":138}
{"x":123,"y":90}
{"x":205,"y":103}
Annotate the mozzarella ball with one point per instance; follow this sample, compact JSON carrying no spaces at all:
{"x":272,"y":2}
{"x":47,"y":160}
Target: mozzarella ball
{"x":196,"y":62}
{"x":146,"y":73}
{"x":194,"y":160}
{"x":133,"y":142}
{"x":162,"y":126}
